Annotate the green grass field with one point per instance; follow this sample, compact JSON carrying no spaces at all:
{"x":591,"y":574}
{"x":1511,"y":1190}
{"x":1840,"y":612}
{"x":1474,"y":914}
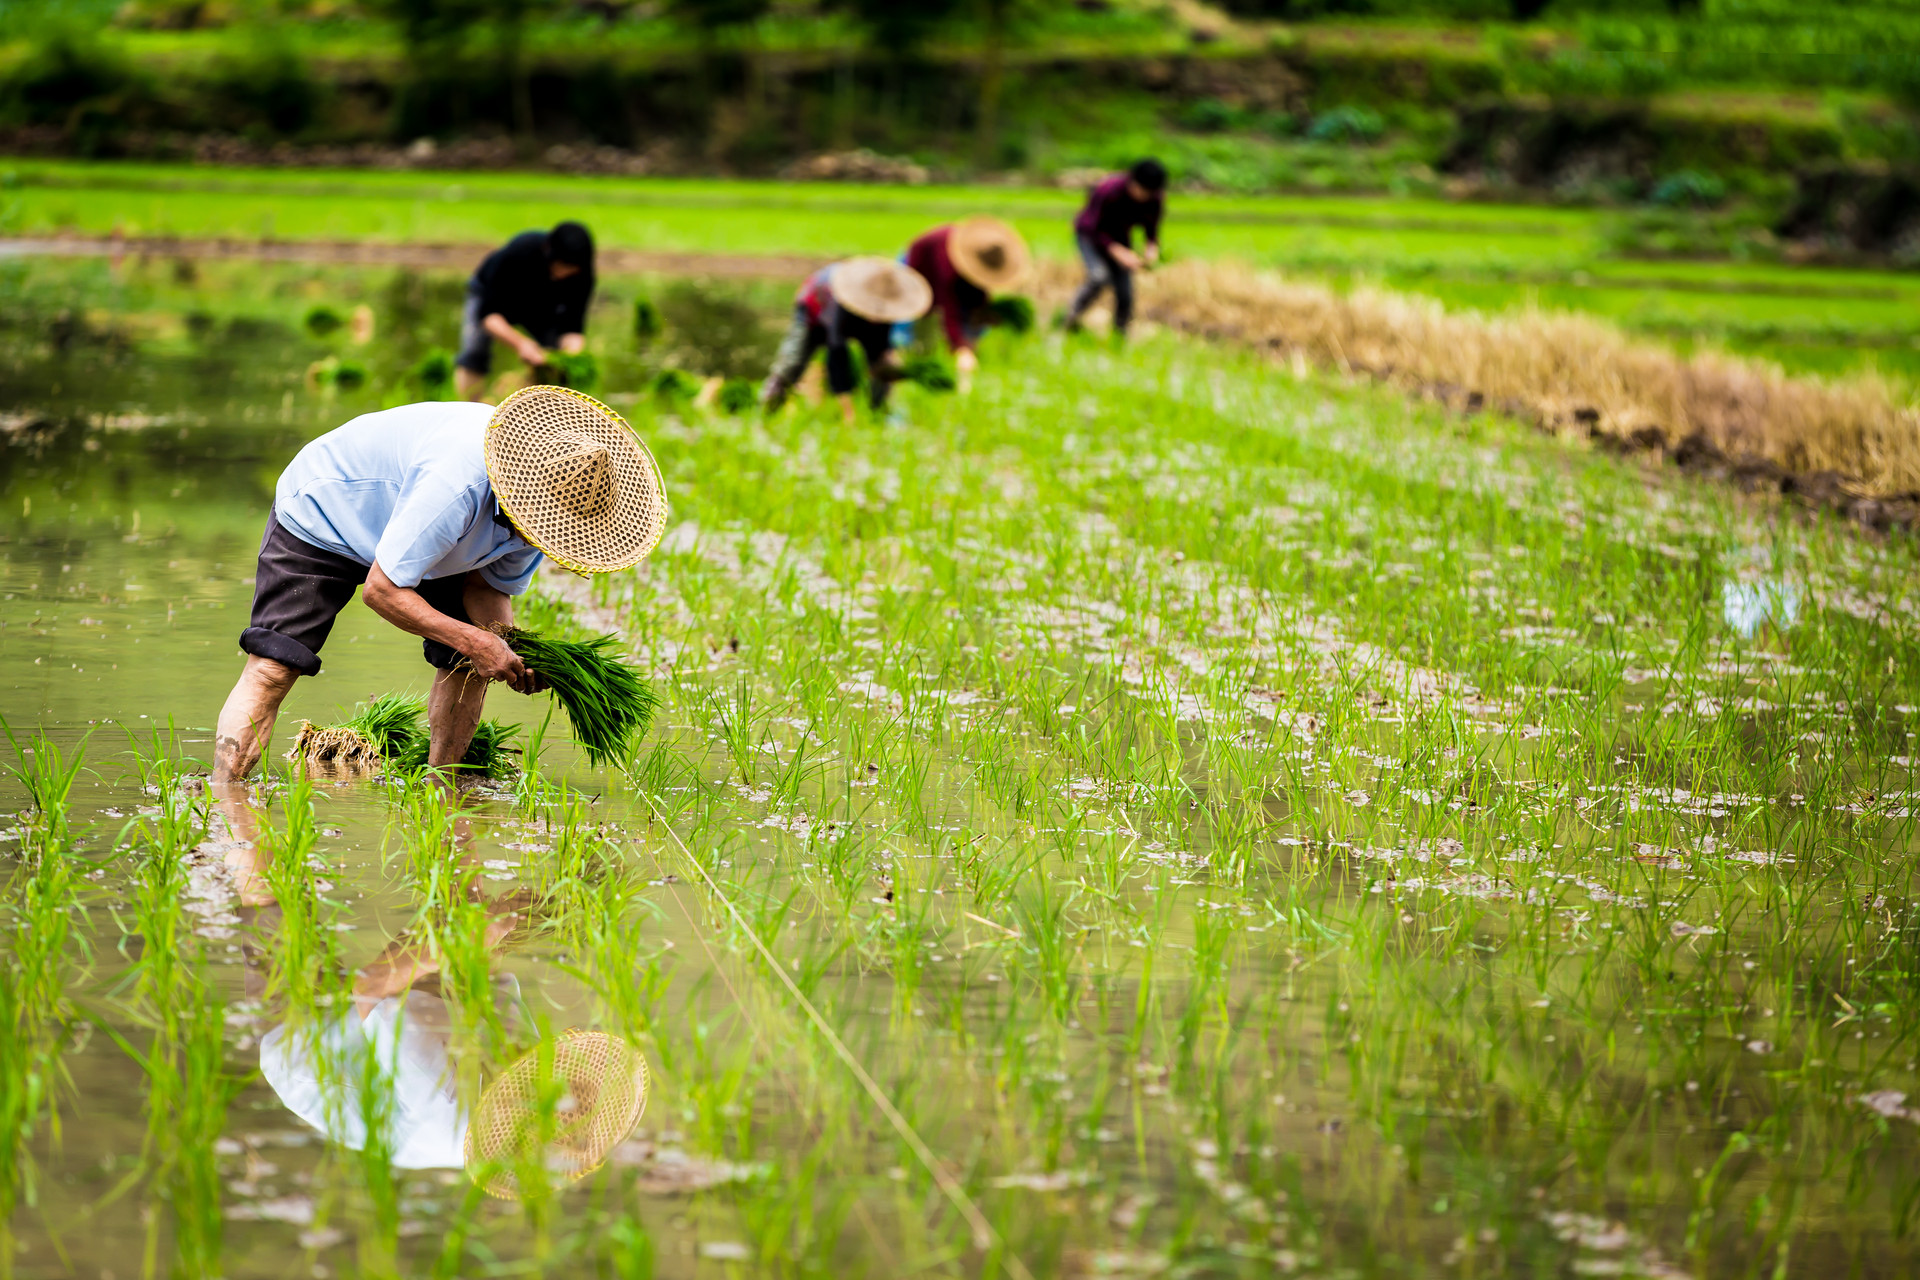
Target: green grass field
{"x":1483,"y":256}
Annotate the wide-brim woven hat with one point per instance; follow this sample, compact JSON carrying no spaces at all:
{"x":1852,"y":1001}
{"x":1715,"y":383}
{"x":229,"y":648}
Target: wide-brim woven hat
{"x":602,"y":1093}
{"x":880,"y":289}
{"x":989,"y":254}
{"x":575,"y":480}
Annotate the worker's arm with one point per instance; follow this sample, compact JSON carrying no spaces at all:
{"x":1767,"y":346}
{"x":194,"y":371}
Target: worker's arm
{"x":486,"y":653}
{"x":530,"y":351}
{"x":393,"y":971}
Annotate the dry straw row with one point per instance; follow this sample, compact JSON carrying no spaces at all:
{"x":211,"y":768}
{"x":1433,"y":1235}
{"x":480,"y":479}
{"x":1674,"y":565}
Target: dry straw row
{"x":1565,"y":371}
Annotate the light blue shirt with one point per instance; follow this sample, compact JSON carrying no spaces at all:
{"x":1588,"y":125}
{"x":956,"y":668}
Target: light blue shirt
{"x":406,"y":489}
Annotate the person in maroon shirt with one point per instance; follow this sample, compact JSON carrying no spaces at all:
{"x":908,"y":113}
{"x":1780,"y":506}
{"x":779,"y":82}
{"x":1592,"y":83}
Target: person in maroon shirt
{"x":967,"y":263}
{"x":1104,"y":230}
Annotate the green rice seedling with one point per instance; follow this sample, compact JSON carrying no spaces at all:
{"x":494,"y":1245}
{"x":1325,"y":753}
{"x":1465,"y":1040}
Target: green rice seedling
{"x":33,"y":976}
{"x":184,"y":1062}
{"x":322,"y":321}
{"x":608,"y":704}
{"x":577,"y":369}
{"x":433,"y":372}
{"x":672,"y":387}
{"x":1014,"y":312}
{"x":738,"y":395}
{"x":935,"y":373}
{"x":306,"y":970}
{"x":389,"y":728}
{"x":647,"y":323}
{"x":488,"y":755}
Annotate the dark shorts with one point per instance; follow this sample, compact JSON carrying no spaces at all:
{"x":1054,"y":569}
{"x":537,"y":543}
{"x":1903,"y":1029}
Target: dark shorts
{"x":476,"y":344}
{"x":299,"y":589}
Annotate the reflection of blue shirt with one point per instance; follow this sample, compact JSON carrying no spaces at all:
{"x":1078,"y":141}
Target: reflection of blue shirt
{"x":320,"y":1074}
{"x":406,"y":488}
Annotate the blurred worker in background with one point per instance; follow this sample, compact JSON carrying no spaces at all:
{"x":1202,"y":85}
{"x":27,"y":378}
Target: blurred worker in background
{"x":966,"y":264}
{"x":1104,"y":230}
{"x":532,"y":294}
{"x":855,"y":302}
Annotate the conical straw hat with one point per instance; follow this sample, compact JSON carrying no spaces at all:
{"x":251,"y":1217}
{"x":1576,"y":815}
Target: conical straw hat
{"x":880,"y":289}
{"x":989,"y":254}
{"x":575,"y":480}
{"x":606,"y":1085}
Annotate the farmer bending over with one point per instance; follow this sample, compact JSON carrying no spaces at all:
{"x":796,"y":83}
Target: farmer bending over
{"x":855,"y":301}
{"x":443,"y":510}
{"x":540,"y":281}
{"x":966,"y":263}
{"x":1104,"y":230}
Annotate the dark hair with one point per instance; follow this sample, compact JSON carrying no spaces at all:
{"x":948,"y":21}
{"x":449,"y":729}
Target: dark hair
{"x":572,"y":244}
{"x":1149,"y":173}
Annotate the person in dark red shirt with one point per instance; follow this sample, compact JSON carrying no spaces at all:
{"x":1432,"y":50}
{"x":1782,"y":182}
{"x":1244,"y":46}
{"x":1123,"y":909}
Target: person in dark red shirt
{"x":1104,"y":230}
{"x":855,"y":301}
{"x":967,"y":263}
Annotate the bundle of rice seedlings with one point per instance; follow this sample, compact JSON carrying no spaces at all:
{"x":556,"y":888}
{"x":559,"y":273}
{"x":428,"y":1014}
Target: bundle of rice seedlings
{"x":576,"y":369}
{"x":388,"y":728}
{"x":1013,"y":311}
{"x":738,"y":395}
{"x":675,"y":386}
{"x":607,"y":702}
{"x":488,"y":754}
{"x":934,"y":373}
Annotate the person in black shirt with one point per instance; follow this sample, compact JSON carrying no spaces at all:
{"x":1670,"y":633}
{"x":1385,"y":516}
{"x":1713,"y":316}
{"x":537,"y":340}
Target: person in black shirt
{"x":532,"y":294}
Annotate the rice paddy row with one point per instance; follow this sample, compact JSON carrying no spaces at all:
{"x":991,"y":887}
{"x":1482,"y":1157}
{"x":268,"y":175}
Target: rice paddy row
{"x":1242,"y":822}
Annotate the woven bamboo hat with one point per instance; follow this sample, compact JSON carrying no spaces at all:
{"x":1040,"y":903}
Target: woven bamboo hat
{"x":880,"y":289}
{"x":602,"y":1086}
{"x":575,"y":480}
{"x":989,"y":254}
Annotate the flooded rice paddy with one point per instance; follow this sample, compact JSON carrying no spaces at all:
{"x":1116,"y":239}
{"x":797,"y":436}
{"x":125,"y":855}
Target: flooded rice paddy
{"x":1157,"y":816}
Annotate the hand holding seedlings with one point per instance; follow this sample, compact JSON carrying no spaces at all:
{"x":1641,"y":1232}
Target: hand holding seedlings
{"x":444,"y":512}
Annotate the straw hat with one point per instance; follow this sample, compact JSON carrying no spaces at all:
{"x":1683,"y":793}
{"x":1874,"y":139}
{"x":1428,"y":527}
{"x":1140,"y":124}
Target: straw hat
{"x":575,"y":480}
{"x":880,"y":289}
{"x":989,"y":254}
{"x":604,"y":1082}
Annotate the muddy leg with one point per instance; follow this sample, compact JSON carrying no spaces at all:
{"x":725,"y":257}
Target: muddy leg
{"x":453,"y":712}
{"x":246,"y":722}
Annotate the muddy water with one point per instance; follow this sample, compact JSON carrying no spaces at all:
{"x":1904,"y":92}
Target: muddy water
{"x":126,"y":579}
{"x":134,"y":483}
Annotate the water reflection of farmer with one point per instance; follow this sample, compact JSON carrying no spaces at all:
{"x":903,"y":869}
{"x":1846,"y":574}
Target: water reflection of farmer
{"x":532,"y":294}
{"x":1104,"y":232}
{"x":443,"y":511}
{"x":965,"y":264}
{"x":397,"y":1014}
{"x":852,"y":303}
{"x":397,"y":1035}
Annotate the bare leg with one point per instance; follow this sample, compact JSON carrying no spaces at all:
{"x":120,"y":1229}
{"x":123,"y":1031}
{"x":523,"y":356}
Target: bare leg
{"x":246,"y":722}
{"x":469,"y":385}
{"x":245,"y":859}
{"x":453,"y":712}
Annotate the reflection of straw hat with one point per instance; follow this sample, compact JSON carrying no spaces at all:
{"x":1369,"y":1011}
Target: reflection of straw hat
{"x":575,"y":480}
{"x":880,"y":289}
{"x":603,"y":1084}
{"x":989,"y":254}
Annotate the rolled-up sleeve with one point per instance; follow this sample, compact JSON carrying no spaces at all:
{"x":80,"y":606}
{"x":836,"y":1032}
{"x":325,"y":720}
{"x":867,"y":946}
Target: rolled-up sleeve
{"x":513,"y":572}
{"x":428,"y":522}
